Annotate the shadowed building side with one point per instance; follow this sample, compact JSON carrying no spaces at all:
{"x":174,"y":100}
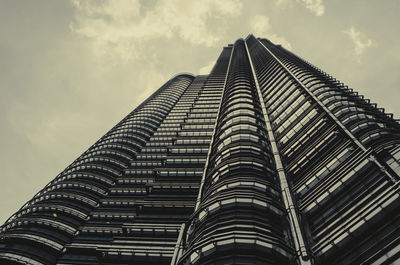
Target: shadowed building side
{"x":341,"y":154}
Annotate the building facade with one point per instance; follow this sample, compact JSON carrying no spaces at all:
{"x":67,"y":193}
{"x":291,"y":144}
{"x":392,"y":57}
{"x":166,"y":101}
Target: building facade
{"x":266,"y":160}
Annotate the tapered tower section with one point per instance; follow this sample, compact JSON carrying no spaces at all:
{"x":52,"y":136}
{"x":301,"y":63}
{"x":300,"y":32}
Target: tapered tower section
{"x":39,"y":232}
{"x":241,"y":215}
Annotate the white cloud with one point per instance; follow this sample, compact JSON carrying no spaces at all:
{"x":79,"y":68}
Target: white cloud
{"x":122,"y":27}
{"x":315,"y":6}
{"x":359,"y":39}
{"x":284,"y":3}
{"x":261,"y":27}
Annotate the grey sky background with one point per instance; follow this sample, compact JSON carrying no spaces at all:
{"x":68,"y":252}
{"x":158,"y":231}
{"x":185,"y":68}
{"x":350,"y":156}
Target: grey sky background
{"x":70,"y":70}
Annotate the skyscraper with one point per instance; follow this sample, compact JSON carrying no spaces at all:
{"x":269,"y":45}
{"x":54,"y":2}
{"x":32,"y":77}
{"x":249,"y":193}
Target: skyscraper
{"x":266,"y":160}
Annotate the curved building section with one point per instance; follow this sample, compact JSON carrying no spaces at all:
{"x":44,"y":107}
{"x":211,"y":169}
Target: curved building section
{"x":139,"y":221}
{"x":39,"y":231}
{"x":339,"y":152}
{"x":241,"y":216}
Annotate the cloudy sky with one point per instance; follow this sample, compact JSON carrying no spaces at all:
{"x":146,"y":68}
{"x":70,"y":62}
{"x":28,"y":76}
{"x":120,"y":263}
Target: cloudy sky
{"x":70,"y":70}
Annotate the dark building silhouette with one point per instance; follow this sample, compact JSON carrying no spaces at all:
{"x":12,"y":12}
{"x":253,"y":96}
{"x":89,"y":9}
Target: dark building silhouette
{"x":266,"y":160}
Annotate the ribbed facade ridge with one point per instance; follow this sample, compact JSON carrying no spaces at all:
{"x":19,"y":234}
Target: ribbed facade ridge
{"x":266,"y":160}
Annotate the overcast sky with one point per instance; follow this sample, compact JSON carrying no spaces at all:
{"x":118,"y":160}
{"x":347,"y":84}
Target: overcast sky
{"x":70,"y":70}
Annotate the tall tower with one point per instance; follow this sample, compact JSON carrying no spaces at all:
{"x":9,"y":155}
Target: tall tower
{"x":266,"y":160}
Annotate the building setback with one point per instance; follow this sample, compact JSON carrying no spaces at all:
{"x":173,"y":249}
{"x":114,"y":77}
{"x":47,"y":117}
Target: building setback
{"x":266,"y":160}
